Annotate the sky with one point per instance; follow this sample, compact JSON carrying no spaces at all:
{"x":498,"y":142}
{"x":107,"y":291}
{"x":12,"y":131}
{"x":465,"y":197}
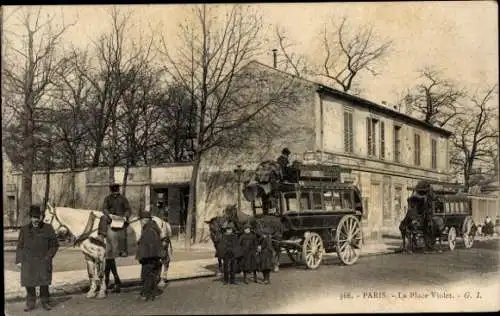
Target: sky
{"x":461,"y":38}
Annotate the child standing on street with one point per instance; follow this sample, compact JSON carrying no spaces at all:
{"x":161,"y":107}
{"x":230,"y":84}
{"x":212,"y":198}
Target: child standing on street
{"x":249,"y":243}
{"x":149,"y":253}
{"x":230,"y":252}
{"x":265,"y":250}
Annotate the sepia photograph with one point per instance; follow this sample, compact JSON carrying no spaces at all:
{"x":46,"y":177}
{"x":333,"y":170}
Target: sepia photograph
{"x":250,"y":158}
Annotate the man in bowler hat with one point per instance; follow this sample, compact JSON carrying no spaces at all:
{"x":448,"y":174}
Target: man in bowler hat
{"x":36,"y":247}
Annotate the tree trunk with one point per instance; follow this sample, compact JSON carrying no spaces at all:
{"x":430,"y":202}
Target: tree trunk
{"x":125,"y":177}
{"x":191,"y":215}
{"x":27,"y":178}
{"x":73,"y":182}
{"x":97,"y":154}
{"x":47,"y":180}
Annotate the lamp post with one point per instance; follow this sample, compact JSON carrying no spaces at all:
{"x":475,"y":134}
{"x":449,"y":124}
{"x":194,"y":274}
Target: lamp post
{"x":239,"y":171}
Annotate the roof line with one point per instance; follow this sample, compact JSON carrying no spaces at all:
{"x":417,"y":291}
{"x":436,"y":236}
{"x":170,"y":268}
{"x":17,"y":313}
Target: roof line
{"x":361,"y":101}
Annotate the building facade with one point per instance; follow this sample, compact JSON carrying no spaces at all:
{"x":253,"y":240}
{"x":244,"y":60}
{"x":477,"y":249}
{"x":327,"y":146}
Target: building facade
{"x":387,"y":151}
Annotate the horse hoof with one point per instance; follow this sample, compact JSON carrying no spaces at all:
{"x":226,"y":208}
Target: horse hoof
{"x":91,"y":295}
{"x":101,"y":295}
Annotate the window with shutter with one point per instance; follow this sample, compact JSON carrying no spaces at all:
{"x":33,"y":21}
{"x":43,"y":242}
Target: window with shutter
{"x":382,"y":140}
{"x":348,"y":132}
{"x":416,"y":150}
{"x":434,"y":154}
{"x":369,"y":136}
{"x":397,"y":143}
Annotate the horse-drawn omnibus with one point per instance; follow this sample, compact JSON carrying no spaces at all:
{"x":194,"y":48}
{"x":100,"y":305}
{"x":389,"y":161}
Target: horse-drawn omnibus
{"x":450,"y":216}
{"x":318,"y":214}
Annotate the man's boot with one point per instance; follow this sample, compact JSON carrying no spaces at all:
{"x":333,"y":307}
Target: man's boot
{"x":30,"y":299}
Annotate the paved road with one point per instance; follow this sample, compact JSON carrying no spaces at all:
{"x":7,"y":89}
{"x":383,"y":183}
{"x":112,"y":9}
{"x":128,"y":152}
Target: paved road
{"x":295,"y":289}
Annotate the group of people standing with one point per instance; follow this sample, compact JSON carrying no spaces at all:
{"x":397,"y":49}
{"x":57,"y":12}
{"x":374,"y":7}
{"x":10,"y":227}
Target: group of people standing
{"x":248,"y":253}
{"x":38,"y":244}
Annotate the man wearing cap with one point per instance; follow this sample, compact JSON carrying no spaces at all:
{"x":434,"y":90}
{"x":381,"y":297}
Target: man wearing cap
{"x":117,"y":205}
{"x":36,"y":247}
{"x":114,"y":204}
{"x":283,"y":161}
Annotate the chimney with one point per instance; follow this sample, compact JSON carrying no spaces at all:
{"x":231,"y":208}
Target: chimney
{"x":384,"y":103}
{"x":275,"y":58}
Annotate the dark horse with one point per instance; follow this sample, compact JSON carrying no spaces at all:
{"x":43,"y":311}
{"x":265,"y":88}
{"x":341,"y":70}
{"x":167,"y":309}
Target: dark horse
{"x":262,"y":224}
{"x":420,"y":218}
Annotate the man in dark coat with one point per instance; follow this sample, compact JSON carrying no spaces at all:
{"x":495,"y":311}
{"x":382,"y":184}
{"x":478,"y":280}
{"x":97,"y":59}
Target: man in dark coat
{"x":230,"y":251}
{"x":265,"y":251}
{"x":248,"y":244}
{"x":36,"y":247}
{"x":115,"y":204}
{"x":149,"y":254}
{"x":283,"y":161}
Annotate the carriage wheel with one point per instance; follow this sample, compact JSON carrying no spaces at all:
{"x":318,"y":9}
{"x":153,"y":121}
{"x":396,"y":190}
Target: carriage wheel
{"x":312,"y":250}
{"x":294,"y":255}
{"x":348,"y":239}
{"x":467,"y":234}
{"x":452,"y":238}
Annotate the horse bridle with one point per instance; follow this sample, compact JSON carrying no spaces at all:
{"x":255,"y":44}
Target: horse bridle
{"x":53,"y":214}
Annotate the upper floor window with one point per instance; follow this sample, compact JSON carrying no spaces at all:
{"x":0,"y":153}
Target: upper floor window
{"x":382,"y":140}
{"x":397,"y":143}
{"x":416,"y":152}
{"x":348,"y":132}
{"x":371,"y":128}
{"x":433,"y":154}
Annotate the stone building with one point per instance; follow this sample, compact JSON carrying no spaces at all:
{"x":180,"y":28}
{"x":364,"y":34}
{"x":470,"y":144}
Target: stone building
{"x":387,"y":151}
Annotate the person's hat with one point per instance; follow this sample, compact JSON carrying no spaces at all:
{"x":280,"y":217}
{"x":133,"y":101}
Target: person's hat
{"x":286,"y":151}
{"x":35,"y":211}
{"x":144,"y":214}
{"x":114,"y":187}
{"x":228,"y":225}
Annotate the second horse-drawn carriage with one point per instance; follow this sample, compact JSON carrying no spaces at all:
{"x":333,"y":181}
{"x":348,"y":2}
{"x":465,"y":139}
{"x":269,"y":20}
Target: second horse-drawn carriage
{"x":436,"y":213}
{"x":318,"y":213}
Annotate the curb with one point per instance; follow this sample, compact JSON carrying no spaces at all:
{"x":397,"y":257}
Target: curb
{"x":82,"y":287}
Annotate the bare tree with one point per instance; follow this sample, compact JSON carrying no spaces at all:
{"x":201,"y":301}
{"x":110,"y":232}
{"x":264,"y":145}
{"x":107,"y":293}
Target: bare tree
{"x":296,"y":62}
{"x":28,"y":72}
{"x":142,"y":93}
{"x":348,"y":54}
{"x":175,"y":131}
{"x":71,"y":98}
{"x":435,"y":99}
{"x":474,"y":133}
{"x":209,"y":66}
{"x":114,"y":59}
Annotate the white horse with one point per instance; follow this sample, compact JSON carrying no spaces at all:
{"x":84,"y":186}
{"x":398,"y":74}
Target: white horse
{"x":79,"y":222}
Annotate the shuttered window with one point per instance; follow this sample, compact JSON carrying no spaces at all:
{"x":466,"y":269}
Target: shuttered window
{"x":433,"y":154}
{"x":348,"y":132}
{"x":397,"y":143}
{"x":416,"y":150}
{"x":371,"y":143}
{"x":382,"y":140}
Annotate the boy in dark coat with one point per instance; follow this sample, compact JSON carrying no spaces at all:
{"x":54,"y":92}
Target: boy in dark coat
{"x":265,"y":250}
{"x":149,"y":254}
{"x":230,"y":252}
{"x":36,"y":247}
{"x":248,"y":244}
